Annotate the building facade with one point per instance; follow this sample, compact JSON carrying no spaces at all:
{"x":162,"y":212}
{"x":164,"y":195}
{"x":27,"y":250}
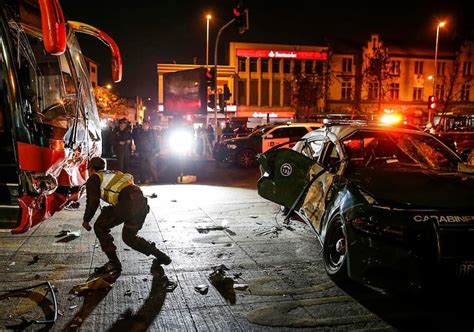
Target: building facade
{"x":371,"y":78}
{"x":265,"y":78}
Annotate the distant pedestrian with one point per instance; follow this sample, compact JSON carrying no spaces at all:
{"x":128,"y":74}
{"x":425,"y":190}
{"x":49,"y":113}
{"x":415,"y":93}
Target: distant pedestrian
{"x":127,"y":206}
{"x":227,"y":132}
{"x":146,"y":142}
{"x":122,"y":145}
{"x":210,"y":135}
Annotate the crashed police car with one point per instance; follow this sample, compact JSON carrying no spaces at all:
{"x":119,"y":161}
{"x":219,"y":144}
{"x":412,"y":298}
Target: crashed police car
{"x":391,"y":206}
{"x":243,"y":150}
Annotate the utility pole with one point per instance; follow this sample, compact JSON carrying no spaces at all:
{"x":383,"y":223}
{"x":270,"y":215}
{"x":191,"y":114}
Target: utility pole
{"x":216,"y":97}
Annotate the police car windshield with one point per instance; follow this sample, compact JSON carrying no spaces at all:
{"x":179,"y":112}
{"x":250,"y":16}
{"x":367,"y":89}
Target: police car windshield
{"x":398,"y":149}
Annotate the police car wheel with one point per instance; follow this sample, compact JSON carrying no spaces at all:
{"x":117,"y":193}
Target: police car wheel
{"x":246,"y":158}
{"x":335,"y":250}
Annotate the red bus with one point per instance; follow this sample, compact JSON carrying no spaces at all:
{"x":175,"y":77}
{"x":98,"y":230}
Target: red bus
{"x":49,"y":125}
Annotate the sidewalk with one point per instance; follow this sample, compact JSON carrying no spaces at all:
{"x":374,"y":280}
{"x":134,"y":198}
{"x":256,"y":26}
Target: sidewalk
{"x":199,"y":227}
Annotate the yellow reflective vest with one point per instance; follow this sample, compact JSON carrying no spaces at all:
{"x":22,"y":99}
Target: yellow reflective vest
{"x":112,"y":183}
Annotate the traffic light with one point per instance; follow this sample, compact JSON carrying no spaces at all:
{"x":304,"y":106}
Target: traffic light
{"x":227,"y":93}
{"x":241,"y":16}
{"x":432,"y":103}
{"x":211,"y":78}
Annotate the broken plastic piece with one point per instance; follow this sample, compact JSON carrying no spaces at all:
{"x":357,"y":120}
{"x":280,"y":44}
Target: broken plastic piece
{"x":187,"y":179}
{"x":94,"y":284}
{"x":202,"y":289}
{"x":241,"y":287}
{"x":170,"y":286}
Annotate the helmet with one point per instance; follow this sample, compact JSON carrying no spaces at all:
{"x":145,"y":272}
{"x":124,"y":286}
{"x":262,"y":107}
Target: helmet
{"x":96,"y":163}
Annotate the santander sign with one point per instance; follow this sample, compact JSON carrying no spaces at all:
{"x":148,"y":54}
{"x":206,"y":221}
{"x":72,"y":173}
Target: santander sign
{"x":281,"y":54}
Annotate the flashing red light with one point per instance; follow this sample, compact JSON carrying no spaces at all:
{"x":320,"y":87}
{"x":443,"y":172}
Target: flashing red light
{"x":432,"y":102}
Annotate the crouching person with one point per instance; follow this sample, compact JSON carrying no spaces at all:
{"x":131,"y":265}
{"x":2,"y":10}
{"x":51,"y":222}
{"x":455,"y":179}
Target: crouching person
{"x":127,"y":206}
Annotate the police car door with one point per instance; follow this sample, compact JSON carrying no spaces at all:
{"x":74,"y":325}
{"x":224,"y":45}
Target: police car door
{"x":315,"y":201}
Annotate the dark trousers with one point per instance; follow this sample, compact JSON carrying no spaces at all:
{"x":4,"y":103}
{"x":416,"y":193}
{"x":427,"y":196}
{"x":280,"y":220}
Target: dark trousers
{"x":131,"y":210}
{"x":147,"y":166}
{"x":123,"y":157}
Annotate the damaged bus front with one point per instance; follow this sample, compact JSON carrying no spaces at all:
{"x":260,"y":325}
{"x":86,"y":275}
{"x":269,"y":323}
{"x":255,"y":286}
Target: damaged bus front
{"x":49,"y":125}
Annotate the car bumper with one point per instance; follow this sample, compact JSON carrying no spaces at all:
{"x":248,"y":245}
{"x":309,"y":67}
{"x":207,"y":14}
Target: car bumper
{"x":223,"y":154}
{"x":394,"y":264}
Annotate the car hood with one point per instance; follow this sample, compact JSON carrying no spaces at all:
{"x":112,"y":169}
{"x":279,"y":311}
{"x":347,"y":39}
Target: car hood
{"x":416,"y":188}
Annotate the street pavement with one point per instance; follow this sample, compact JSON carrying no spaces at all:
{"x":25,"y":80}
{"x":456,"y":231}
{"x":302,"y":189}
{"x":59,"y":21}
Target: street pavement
{"x":272,"y":277}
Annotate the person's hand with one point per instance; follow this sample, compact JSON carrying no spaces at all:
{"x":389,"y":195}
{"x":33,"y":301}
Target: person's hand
{"x":86,"y":226}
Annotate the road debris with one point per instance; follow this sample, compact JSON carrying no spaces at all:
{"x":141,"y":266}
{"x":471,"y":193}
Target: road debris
{"x":223,"y":284}
{"x":207,"y":229}
{"x":201,"y":289}
{"x":170,"y":285}
{"x":128,"y":293}
{"x":241,"y":287}
{"x":151,"y":196}
{"x":21,"y":292}
{"x":72,"y":306}
{"x":34,"y":260}
{"x":94,"y":284}
{"x":12,"y":263}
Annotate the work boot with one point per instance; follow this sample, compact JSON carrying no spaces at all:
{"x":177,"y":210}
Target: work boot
{"x":110,"y":266}
{"x":113,"y":265}
{"x":161,"y":257}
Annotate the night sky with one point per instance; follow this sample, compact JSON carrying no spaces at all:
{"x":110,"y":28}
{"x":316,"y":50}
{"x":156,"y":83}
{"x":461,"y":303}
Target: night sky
{"x":157,"y":31}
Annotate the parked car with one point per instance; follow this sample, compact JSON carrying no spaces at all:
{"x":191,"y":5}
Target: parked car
{"x":243,"y":150}
{"x":392,"y":207}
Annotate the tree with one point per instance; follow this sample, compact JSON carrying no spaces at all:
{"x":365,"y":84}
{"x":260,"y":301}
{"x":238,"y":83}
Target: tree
{"x":378,"y":69}
{"x":308,"y":91}
{"x":111,"y":105}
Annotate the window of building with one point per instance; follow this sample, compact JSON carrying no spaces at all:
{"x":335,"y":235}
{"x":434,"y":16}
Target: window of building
{"x":253,"y":64}
{"x":93,"y":85}
{"x":297,"y":67}
{"x":417,"y":94}
{"x":242,"y":92}
{"x":347,"y":65}
{"x":276,"y":93}
{"x":439,"y":92}
{"x":286,"y":66}
{"x":265,"y":100}
{"x":242,"y":64}
{"x":286,"y":93}
{"x":418,"y":68}
{"x":466,"y":68}
{"x":395,"y":67}
{"x":93,"y":69}
{"x":346,"y":90}
{"x":373,"y":90}
{"x":308,"y":66}
{"x":318,"y":68}
{"x":254,"y":92}
{"x":465,"y":91}
{"x":394,"y":91}
{"x":264,"y":65}
{"x":276,"y":66}
{"x":440,"y":68}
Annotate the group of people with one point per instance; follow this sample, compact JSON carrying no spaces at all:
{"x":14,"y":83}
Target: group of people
{"x":126,"y":203}
{"x":122,"y":140}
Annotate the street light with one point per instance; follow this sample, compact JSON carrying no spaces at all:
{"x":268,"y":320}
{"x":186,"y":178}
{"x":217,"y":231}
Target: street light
{"x":109,"y":86}
{"x":440,"y":25}
{"x":208,"y":18}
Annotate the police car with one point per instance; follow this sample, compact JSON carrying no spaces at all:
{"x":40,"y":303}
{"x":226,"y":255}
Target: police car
{"x":392,"y":207}
{"x":244,"y":150}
